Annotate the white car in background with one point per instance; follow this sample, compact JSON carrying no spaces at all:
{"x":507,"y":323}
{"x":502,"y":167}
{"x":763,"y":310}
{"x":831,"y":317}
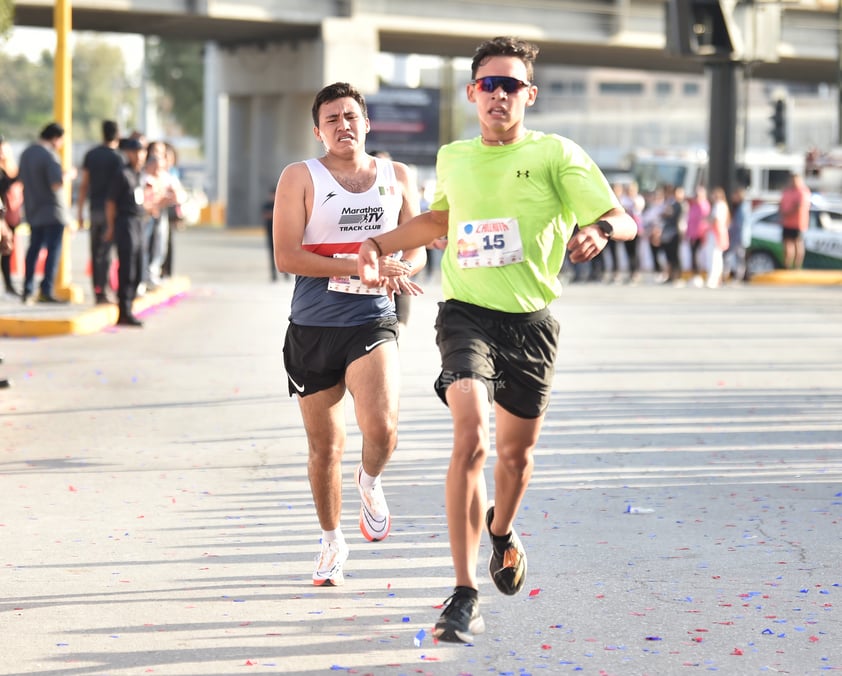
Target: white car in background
{"x":822,"y":241}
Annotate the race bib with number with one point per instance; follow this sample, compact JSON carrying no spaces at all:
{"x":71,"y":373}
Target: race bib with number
{"x":352,"y":283}
{"x":489,"y":243}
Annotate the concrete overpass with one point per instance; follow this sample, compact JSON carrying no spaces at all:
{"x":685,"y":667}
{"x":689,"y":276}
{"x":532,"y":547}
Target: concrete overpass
{"x":266,"y":58}
{"x":609,"y":33}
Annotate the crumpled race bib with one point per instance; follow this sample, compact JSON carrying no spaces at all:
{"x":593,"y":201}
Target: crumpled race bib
{"x":352,"y":283}
{"x":489,"y":243}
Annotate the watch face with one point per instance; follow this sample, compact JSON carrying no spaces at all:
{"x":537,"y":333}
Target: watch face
{"x":606,"y":227}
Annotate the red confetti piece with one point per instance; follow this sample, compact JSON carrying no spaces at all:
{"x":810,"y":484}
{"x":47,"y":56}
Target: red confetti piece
{"x":249,"y":663}
{"x":814,"y":639}
{"x":72,"y":489}
{"x":534,"y":592}
{"x":546,"y":646}
{"x":736,"y":651}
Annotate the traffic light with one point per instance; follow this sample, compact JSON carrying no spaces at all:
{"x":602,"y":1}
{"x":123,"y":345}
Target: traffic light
{"x":701,"y":28}
{"x":778,"y":118}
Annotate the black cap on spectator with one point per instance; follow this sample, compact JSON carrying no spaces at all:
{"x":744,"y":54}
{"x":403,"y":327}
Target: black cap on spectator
{"x":131,"y":144}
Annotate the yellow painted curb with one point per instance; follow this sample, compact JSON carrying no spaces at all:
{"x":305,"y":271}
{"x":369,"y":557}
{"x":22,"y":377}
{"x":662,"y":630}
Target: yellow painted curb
{"x":91,"y":319}
{"x":798,"y":277}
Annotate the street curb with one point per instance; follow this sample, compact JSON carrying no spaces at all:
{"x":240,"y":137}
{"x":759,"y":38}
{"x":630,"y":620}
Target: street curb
{"x":91,"y":319}
{"x":799,"y":277}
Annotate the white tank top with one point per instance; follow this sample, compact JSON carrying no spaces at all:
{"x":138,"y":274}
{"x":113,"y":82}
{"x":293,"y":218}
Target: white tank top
{"x":341,"y":220}
{"x":339,"y":223}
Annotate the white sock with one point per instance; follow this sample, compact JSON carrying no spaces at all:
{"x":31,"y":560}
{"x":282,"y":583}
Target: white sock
{"x":368,"y":481}
{"x":333,"y":535}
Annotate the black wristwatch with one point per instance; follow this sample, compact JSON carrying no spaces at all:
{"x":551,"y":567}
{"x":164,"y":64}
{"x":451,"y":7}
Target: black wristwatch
{"x":606,"y":229}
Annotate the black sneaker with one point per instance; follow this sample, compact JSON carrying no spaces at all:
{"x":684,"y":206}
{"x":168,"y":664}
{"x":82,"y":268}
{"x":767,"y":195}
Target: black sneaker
{"x":44,"y":298}
{"x":129,"y":320}
{"x":507,"y":568}
{"x":460,"y":619}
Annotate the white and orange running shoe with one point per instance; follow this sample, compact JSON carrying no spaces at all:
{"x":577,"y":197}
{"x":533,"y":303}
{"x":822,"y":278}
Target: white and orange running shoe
{"x":329,"y":564}
{"x":375,"y":521}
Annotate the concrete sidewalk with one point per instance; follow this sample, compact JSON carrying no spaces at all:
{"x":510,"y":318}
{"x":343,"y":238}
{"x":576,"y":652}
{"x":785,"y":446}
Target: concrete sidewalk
{"x":155,"y":512}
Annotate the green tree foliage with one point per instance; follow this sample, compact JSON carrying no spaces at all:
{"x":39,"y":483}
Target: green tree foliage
{"x":26,"y":97}
{"x":177,"y":67}
{"x":7,"y":15}
{"x":101,"y":89}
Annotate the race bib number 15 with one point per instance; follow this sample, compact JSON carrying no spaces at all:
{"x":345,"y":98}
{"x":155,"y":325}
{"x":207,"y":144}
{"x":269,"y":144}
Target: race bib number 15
{"x":489,"y":243}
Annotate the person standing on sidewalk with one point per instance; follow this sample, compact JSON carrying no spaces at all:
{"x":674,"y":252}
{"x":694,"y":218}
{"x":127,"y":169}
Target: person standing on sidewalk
{"x":342,"y":335}
{"x":795,"y":219}
{"x":42,"y":177}
{"x":124,"y":214}
{"x":698,"y":213}
{"x":7,"y":237}
{"x":508,"y":202}
{"x":99,"y":167}
{"x":11,"y":198}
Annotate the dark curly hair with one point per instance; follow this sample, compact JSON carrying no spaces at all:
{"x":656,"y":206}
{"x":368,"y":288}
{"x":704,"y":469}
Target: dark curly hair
{"x":505,"y":46}
{"x":337,"y":90}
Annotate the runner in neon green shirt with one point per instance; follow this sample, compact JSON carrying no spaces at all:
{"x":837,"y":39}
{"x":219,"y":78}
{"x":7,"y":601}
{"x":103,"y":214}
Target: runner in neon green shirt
{"x":507,"y":202}
{"x":540,"y":185}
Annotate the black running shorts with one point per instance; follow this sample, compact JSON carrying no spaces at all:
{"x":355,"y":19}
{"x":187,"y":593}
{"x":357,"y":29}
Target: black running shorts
{"x":315,"y":357}
{"x":513,"y":354}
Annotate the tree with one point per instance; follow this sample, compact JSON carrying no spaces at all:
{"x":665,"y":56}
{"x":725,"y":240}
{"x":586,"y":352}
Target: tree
{"x":177,"y":67}
{"x":7,"y":17}
{"x":26,"y":97}
{"x":101,"y":89}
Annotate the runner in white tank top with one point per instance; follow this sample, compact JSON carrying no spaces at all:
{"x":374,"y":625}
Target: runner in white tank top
{"x":342,"y":337}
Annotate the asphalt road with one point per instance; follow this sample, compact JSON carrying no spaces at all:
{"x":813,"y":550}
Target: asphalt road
{"x":155,"y":516}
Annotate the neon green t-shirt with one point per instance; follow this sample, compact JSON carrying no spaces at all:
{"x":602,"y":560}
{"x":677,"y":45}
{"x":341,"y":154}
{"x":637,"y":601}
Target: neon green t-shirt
{"x":544,"y":183}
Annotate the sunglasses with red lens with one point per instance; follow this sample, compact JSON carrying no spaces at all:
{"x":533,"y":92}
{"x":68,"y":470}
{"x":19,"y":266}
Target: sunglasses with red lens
{"x":490,"y":83}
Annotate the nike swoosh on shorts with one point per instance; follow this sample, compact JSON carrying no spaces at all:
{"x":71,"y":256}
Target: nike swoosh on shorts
{"x":369,"y":348}
{"x":298,"y":387}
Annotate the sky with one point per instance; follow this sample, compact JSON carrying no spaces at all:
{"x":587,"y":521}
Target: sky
{"x":30,"y":42}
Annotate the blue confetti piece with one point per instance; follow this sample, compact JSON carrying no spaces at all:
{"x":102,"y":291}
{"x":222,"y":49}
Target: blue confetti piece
{"x":419,"y":638}
{"x":767,"y":632}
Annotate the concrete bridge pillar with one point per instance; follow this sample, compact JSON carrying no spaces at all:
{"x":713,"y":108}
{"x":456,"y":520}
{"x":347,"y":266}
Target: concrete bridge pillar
{"x":264,"y":95}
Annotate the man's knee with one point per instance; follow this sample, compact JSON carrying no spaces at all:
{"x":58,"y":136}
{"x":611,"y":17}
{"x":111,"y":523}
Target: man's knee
{"x":516,"y":462}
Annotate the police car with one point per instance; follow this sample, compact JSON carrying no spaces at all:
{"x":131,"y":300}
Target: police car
{"x":822,"y":241}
